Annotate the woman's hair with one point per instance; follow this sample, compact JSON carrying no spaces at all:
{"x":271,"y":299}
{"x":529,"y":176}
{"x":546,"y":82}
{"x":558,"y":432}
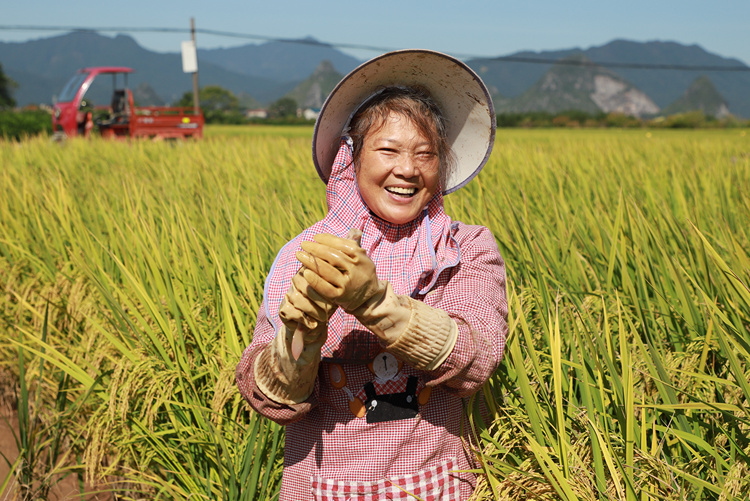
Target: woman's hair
{"x":414,"y":103}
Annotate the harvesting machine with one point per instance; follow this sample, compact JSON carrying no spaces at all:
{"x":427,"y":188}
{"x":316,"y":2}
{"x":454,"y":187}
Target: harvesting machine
{"x":74,"y":113}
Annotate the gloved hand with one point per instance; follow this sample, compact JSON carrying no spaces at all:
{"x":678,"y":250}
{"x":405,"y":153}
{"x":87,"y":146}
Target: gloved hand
{"x":286,"y":369}
{"x":340,"y":271}
{"x":302,"y":310}
{"x":301,"y":304}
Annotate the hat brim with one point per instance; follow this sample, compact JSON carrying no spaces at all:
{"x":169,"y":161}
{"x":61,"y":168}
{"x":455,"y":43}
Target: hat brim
{"x":458,"y":91}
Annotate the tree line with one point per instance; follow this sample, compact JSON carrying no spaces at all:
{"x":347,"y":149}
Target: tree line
{"x":220,"y":105}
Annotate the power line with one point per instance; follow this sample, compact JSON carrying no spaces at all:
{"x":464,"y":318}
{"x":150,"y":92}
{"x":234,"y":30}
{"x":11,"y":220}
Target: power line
{"x":338,"y":45}
{"x":204,"y":31}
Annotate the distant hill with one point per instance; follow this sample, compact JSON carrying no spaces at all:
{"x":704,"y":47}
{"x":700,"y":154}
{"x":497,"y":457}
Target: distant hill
{"x":581,"y":85}
{"x":700,"y":96}
{"x":144,"y":95}
{"x":663,"y":86}
{"x":280,"y":61}
{"x":312,"y":92}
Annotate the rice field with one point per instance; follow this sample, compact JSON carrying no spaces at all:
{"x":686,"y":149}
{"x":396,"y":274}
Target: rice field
{"x":131,"y":273}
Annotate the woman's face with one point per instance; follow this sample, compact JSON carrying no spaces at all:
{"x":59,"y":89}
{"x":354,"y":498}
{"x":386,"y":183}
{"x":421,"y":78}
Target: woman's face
{"x":398,"y":170}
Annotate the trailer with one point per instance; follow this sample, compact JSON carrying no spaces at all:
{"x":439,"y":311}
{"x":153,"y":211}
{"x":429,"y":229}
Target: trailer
{"x":75,"y":114}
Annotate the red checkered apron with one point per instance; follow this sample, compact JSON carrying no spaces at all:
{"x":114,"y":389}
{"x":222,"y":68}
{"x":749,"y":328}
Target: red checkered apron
{"x":432,"y":484}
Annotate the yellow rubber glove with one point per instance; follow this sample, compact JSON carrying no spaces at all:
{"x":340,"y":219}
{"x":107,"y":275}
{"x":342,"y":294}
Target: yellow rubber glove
{"x":302,"y":310}
{"x":341,"y":272}
{"x":302,"y":304}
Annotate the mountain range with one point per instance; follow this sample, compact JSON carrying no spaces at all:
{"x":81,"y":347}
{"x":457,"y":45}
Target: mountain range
{"x":271,"y":70}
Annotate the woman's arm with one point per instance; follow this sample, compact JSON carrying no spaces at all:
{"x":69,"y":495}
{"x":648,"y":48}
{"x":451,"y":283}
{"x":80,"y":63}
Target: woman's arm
{"x":475,"y":297}
{"x":457,"y":332}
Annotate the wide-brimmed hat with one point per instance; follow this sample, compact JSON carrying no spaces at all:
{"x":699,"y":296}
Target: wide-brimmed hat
{"x":458,"y":91}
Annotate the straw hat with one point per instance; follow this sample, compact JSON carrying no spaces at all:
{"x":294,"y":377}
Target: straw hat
{"x":458,"y":91}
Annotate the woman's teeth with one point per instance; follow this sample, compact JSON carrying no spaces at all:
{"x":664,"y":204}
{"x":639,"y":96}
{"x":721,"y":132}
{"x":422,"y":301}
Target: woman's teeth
{"x":404,"y":192}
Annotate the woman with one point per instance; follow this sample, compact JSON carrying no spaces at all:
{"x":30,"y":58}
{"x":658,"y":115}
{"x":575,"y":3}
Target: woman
{"x":380,"y":318}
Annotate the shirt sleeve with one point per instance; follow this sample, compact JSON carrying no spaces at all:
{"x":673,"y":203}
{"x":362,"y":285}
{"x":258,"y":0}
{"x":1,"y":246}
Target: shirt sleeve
{"x":245,"y":378}
{"x":475,"y":296}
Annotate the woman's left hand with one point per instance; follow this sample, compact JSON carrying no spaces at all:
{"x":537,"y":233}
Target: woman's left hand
{"x":339,"y":270}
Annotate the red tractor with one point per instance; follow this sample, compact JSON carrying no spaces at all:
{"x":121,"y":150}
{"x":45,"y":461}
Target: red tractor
{"x":75,"y":114}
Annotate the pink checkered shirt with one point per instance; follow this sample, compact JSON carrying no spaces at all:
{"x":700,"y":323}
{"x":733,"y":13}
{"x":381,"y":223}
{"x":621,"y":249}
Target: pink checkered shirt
{"x":329,"y":453}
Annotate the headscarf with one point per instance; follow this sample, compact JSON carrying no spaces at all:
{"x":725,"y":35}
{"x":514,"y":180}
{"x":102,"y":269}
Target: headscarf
{"x":410,"y":256}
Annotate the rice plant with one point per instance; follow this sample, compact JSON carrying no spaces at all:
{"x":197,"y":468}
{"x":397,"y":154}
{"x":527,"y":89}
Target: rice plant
{"x":626,"y":372}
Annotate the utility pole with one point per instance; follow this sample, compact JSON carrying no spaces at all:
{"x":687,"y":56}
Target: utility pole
{"x":196,"y":102}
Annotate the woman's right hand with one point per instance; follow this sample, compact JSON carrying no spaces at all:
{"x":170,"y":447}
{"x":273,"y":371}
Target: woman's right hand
{"x":305,"y":313}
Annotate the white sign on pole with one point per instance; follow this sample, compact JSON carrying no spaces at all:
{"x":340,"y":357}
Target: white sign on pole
{"x":189,"y":57}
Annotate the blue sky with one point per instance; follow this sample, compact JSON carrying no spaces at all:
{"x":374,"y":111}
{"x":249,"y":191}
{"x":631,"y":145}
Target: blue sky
{"x":461,"y":28}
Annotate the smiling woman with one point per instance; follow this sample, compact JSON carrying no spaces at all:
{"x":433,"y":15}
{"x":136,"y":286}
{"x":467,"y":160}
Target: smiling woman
{"x":379,"y":319}
{"x":397,"y":169}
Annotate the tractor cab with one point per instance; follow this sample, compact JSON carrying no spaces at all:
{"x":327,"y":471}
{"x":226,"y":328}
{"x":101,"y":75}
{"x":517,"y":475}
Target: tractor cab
{"x":115,"y":120}
{"x":77,"y":112}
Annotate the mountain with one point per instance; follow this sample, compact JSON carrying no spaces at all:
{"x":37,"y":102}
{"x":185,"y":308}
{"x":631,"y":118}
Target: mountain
{"x":511,"y":78}
{"x":144,"y":95}
{"x":293,"y":60}
{"x":700,"y":96}
{"x":42,"y":67}
{"x":577,"y":84}
{"x":312,"y":92}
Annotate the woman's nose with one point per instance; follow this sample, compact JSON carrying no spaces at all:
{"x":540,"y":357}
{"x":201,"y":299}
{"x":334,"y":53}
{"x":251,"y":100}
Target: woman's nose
{"x":406,"y":166}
